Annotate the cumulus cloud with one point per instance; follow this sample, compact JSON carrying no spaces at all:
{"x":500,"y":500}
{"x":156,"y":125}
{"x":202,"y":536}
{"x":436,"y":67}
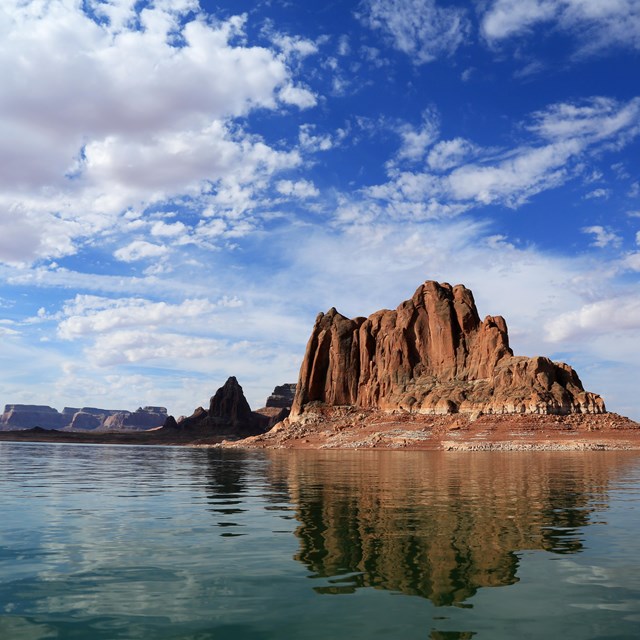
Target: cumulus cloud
{"x":297,"y":189}
{"x":422,"y":29}
{"x":140,"y":250}
{"x":298,"y":96}
{"x":134,"y":346}
{"x":294,"y":45}
{"x":122,"y":106}
{"x":596,"y":24}
{"x":603,"y":317}
{"x":91,"y":315}
{"x":168,"y":230}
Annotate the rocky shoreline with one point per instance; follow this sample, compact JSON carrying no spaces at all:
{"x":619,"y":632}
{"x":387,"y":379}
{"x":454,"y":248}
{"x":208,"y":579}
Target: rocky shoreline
{"x":346,"y":428}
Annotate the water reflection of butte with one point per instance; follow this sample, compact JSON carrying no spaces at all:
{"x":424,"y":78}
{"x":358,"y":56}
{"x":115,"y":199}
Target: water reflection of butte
{"x":437,"y":525}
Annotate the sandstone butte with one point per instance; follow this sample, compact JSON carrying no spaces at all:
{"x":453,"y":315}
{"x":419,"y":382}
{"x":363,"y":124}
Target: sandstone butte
{"x":432,"y":374}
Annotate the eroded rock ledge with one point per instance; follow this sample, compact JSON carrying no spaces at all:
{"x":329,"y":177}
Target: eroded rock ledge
{"x":432,"y":355}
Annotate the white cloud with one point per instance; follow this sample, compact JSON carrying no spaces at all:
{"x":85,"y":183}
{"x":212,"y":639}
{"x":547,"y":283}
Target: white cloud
{"x":448,"y":154}
{"x":592,"y":119}
{"x":465,"y":175}
{"x":632,"y":260}
{"x":603,"y":237}
{"x":168,"y":230}
{"x":297,"y":96}
{"x":506,"y":18}
{"x":598,"y":193}
{"x":310,"y":140}
{"x":420,"y":28}
{"x":596,"y":24}
{"x":140,"y":250}
{"x":26,"y":235}
{"x":604,"y":317}
{"x":294,"y":45}
{"x":134,"y":346}
{"x":415,"y":142}
{"x":98,"y":117}
{"x":515,"y":178}
{"x":297,"y":189}
{"x":96,"y":315}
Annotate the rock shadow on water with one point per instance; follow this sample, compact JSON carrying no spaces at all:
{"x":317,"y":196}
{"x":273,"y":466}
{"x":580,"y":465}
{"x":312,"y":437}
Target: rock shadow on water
{"x":437,"y":526}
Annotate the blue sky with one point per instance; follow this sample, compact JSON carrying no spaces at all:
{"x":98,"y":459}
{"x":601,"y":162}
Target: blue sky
{"x":185,"y":185}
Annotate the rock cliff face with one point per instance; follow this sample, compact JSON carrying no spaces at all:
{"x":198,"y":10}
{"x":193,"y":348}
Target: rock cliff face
{"x":24,"y":416}
{"x":432,"y":355}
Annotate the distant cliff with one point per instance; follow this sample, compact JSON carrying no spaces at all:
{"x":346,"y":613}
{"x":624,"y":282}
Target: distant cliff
{"x":27,"y":416}
{"x":432,"y":355}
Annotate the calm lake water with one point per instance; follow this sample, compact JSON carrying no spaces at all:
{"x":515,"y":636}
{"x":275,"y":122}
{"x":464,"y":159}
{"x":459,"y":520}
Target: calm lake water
{"x":159,"y":542}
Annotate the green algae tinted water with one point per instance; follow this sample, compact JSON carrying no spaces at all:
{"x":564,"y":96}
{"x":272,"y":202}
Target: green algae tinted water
{"x":100,"y":542}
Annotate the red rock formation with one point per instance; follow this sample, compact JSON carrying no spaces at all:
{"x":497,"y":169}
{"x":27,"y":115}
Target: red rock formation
{"x":432,"y":355}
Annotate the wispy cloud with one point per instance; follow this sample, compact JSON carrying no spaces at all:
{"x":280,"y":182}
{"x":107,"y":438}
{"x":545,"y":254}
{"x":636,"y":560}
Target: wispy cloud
{"x":422,"y":29}
{"x":603,"y":237}
{"x":595,"y":24}
{"x":465,"y":175}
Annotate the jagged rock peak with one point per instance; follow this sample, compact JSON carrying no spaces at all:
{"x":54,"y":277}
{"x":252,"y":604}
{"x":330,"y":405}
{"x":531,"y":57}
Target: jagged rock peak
{"x":229,"y":414}
{"x":229,"y":403}
{"x":432,"y":354}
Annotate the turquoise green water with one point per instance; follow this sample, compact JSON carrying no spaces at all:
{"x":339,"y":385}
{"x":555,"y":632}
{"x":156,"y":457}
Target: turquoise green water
{"x":100,"y":542}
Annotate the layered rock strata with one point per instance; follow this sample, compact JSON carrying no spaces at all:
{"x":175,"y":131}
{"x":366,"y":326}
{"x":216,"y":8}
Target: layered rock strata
{"x":282,"y":396}
{"x":25,"y":416}
{"x":432,"y":355}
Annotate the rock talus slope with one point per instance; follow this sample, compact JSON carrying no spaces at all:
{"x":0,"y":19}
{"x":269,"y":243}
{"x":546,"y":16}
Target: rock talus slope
{"x":432,"y":355}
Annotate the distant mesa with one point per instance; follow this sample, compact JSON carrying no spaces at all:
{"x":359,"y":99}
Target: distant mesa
{"x":229,"y":413}
{"x":282,"y":396}
{"x":28,"y":416}
{"x":432,"y":355}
